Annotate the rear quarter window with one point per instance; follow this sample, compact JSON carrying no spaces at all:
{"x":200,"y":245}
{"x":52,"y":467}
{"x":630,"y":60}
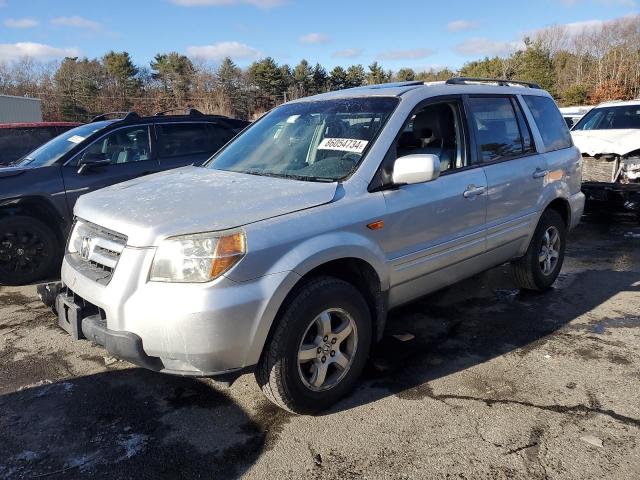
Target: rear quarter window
{"x":178,"y":139}
{"x":551,"y":125}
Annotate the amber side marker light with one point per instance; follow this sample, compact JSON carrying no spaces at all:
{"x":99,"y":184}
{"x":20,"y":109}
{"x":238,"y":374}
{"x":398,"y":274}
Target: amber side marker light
{"x":377,"y":225}
{"x":229,"y":250}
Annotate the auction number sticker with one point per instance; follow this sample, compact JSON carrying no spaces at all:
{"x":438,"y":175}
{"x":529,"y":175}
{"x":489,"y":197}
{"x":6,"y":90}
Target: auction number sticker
{"x":343,"y":144}
{"x":75,"y":139}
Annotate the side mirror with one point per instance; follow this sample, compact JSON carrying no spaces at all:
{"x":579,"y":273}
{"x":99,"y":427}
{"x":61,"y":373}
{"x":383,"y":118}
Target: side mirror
{"x":92,"y":160}
{"x":417,"y":168}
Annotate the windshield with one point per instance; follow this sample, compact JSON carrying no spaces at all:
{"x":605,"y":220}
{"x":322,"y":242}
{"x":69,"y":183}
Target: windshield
{"x":51,"y":151}
{"x":313,"y":141}
{"x":609,"y":118}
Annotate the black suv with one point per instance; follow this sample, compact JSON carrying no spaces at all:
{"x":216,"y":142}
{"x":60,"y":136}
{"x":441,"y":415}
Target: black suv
{"x":38,"y":193}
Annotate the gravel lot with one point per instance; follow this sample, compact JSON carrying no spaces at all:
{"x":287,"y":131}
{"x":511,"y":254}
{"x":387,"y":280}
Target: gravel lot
{"x":495,"y":384}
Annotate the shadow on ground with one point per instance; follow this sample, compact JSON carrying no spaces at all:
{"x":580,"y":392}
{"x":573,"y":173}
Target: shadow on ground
{"x":128,"y":424}
{"x":138,"y":424}
{"x":487,"y":316}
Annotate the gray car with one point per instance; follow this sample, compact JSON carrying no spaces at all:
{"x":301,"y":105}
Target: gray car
{"x":284,"y":253}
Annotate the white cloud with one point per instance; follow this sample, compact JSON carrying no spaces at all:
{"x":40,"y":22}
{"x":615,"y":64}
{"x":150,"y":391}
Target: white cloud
{"x":76,"y":22}
{"x":15,"y":51}
{"x":218,"y":51}
{"x":264,"y":4}
{"x":314,"y":38}
{"x":413,"y":54}
{"x":20,"y":23}
{"x":462,"y":25}
{"x":481,"y":46}
{"x":348,"y":53}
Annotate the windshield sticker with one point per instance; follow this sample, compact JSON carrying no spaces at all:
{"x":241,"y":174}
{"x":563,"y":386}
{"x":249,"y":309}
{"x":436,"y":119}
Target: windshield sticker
{"x":343,"y":144}
{"x":75,"y":139}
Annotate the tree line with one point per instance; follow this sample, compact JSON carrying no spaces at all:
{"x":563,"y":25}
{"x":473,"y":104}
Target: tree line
{"x":578,"y":67}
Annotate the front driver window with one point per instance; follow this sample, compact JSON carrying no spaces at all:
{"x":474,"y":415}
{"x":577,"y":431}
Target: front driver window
{"x":124,"y":145}
{"x":435,"y":129}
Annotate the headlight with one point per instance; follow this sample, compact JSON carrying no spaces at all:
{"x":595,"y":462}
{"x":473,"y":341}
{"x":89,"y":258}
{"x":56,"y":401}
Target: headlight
{"x":197,"y":258}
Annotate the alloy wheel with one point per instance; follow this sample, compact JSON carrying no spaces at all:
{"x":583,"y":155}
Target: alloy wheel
{"x":327,"y":349}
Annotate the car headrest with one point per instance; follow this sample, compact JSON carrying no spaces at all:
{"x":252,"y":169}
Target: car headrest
{"x":435,"y":121}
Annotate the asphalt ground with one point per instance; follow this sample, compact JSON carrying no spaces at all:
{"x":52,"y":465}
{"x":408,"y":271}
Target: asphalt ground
{"x":495,"y":383}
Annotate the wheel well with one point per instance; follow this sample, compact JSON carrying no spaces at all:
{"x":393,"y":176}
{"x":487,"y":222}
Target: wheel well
{"x":561,"y":206}
{"x":37,"y":209}
{"x":364,"y":277}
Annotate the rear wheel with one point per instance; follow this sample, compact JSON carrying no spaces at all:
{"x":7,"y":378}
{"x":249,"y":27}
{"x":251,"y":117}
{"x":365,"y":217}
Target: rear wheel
{"x":541,"y":265}
{"x":29,"y":250}
{"x":319,"y":347}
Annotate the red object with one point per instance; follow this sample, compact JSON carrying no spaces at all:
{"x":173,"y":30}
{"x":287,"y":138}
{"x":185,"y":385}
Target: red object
{"x":39,"y":124}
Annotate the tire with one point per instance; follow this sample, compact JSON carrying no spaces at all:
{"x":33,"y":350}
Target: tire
{"x":29,"y":250}
{"x":530,"y":272}
{"x":294,"y":384}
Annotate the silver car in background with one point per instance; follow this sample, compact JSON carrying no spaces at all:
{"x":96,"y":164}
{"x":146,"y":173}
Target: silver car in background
{"x":284,"y":253}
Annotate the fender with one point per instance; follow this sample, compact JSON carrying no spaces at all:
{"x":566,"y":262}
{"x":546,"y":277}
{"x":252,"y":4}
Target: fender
{"x":302,"y":259}
{"x":316,"y":251}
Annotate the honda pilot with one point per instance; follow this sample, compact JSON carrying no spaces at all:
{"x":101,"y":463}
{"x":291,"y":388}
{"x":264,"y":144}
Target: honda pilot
{"x":283,"y":254}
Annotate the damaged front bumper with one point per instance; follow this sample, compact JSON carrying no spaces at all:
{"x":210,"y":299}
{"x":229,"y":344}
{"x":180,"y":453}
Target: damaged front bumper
{"x":612,"y":196}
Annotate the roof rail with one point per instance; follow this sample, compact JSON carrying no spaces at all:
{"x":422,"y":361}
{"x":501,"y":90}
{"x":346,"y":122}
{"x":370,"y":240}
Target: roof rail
{"x":499,"y":81}
{"x":124,"y":116}
{"x":192,"y":112}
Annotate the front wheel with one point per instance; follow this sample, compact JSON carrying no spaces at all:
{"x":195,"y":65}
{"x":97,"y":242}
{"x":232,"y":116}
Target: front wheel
{"x":541,"y":265}
{"x":319,"y":347}
{"x":29,"y":250}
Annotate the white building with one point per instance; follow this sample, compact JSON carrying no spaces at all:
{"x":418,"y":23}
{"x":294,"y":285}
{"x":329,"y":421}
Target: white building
{"x":19,"y":109}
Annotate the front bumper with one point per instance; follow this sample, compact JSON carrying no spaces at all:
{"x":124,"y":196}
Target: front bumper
{"x":83,"y":320}
{"x":612,"y":196}
{"x":203,"y":330}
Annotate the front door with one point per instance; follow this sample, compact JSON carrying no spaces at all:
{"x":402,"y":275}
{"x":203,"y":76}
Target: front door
{"x":130,"y":154}
{"x":434,"y":230}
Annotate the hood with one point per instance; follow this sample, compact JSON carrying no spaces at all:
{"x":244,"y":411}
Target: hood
{"x":11,"y":171}
{"x":596,"y":142}
{"x":193,"y":199}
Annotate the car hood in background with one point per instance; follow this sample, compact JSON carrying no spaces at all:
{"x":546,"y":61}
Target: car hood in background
{"x":11,"y":171}
{"x":192,"y":200}
{"x":598,"y":142}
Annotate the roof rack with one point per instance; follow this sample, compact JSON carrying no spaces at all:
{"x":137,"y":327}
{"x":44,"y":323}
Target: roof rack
{"x":192,"y":112}
{"x":124,"y":116}
{"x":499,"y":81}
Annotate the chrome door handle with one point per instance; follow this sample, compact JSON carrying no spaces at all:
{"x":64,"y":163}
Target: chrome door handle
{"x":473,"y":191}
{"x":540,"y":173}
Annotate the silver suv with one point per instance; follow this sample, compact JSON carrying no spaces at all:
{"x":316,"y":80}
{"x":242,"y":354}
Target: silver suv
{"x":284,"y":253}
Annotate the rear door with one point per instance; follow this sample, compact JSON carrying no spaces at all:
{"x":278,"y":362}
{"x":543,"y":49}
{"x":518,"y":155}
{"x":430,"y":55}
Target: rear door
{"x":189,"y":143}
{"x":128,"y":148}
{"x":515,"y":171}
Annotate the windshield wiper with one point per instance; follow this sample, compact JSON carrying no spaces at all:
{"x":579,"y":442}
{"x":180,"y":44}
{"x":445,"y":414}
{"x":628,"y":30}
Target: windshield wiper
{"x":305,"y":178}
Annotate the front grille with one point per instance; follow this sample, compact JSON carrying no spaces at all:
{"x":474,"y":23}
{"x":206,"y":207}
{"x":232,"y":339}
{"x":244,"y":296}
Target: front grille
{"x":598,"y":169}
{"x":96,"y":250}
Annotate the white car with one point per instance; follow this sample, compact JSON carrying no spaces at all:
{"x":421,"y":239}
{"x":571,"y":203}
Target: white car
{"x":609,"y":139}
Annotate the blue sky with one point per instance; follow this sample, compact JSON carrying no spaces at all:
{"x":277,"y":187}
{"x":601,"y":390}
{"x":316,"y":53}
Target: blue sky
{"x":414,"y":33}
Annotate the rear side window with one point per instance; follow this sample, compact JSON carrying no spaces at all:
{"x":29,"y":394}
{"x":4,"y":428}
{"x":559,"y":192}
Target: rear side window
{"x":178,"y":139}
{"x":500,"y":133}
{"x":551,"y":125}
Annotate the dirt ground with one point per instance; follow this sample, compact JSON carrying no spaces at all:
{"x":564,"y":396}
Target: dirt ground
{"x":496,"y":384}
